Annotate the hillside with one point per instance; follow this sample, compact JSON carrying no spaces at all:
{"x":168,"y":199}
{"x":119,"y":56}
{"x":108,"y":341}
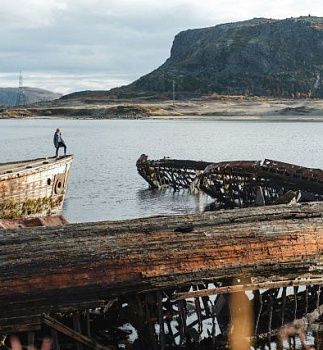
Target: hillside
{"x":8,"y":96}
{"x":261,"y":57}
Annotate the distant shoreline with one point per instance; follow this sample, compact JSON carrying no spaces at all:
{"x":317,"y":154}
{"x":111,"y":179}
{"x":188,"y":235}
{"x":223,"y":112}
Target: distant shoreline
{"x":181,"y":118}
{"x":218,"y":108}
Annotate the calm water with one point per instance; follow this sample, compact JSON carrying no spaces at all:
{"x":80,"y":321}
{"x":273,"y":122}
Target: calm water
{"x":104,"y":184}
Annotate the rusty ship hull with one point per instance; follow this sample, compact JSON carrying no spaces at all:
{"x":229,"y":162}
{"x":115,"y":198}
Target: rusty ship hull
{"x":34,"y":187}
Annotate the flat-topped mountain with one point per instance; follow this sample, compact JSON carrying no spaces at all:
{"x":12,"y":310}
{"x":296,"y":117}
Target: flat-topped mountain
{"x":263,"y":57}
{"x":258,"y":57}
{"x":8,"y":96}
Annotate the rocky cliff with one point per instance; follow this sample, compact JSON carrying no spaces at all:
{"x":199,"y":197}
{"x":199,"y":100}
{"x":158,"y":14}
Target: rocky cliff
{"x":263,"y":57}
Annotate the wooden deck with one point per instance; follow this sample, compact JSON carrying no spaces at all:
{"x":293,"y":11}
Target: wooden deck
{"x":13,"y":167}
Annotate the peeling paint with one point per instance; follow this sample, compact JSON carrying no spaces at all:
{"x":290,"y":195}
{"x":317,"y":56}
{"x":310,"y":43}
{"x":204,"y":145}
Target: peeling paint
{"x":30,"y":188}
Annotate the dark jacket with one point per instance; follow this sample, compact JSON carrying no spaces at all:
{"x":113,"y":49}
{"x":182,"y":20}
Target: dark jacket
{"x":58,"y":135}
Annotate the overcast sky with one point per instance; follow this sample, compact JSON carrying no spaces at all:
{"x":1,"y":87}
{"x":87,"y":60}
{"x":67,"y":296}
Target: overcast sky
{"x":70,"y":45}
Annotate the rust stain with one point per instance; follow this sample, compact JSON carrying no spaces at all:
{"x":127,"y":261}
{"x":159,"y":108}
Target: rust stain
{"x":33,"y":188}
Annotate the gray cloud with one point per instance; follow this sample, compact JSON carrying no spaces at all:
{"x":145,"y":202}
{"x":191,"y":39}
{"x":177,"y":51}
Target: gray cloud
{"x":68,"y":45}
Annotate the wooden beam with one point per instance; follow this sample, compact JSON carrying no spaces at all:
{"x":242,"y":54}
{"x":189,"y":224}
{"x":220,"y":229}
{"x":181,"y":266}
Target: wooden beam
{"x":247,"y":287}
{"x":29,"y":323}
{"x":31,"y":340}
{"x":88,"y":323}
{"x":77,"y":327}
{"x":78,"y":337}
{"x":79,"y":266}
{"x":54,"y":335}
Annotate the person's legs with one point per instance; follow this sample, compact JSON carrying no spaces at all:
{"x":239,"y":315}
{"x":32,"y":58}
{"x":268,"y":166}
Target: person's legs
{"x":60,"y":144}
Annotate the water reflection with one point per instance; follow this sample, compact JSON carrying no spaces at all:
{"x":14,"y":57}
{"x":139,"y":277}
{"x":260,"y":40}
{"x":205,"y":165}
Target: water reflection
{"x":104,"y":184}
{"x":169,"y":201}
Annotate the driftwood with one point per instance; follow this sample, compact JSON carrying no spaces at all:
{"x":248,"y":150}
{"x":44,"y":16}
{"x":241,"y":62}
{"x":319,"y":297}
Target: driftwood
{"x":79,"y":266}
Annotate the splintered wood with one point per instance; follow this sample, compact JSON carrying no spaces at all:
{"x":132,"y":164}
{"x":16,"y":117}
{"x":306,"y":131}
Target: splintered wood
{"x":79,"y":266}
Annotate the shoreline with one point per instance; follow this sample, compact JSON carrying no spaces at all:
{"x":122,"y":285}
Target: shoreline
{"x":188,"y":119}
{"x":259,"y":119}
{"x":219,"y":108}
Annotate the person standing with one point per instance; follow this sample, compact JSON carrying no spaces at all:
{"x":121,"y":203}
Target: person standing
{"x":59,"y":142}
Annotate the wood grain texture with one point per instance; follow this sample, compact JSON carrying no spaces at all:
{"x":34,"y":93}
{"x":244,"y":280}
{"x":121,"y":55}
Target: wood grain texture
{"x":81,"y":265}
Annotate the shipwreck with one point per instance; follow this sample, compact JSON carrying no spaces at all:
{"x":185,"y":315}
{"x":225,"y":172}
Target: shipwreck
{"x":169,"y":277}
{"x":168,"y":281}
{"x":236,"y":183}
{"x":33,"y":188}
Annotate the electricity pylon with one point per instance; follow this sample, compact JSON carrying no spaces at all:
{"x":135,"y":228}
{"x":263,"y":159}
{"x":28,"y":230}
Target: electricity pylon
{"x":21,"y":98}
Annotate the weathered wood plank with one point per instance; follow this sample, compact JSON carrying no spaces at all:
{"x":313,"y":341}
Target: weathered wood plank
{"x":78,"y":337}
{"x":248,"y":287}
{"x":20,"y":324}
{"x":66,"y":268}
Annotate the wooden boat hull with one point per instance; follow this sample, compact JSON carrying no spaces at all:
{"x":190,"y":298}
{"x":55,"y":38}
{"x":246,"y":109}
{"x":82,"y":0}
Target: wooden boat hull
{"x":170,"y":172}
{"x":33,"y":188}
{"x":81,"y":265}
{"x":236,"y":183}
